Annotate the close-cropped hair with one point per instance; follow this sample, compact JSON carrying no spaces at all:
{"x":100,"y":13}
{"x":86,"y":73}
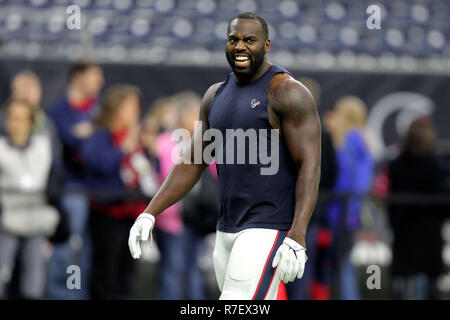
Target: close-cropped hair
{"x":254,"y":16}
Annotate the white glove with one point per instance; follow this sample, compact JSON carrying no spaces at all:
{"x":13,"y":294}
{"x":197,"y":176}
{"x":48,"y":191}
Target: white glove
{"x":140,"y":231}
{"x":290,"y":258}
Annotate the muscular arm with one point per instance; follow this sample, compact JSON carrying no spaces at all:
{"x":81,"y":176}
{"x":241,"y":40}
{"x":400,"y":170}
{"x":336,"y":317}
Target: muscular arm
{"x":185,"y":173}
{"x":296,"y":116}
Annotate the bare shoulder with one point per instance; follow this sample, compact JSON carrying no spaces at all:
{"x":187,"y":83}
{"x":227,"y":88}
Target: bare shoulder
{"x":210,"y":94}
{"x":207,"y":100}
{"x":288,"y":95}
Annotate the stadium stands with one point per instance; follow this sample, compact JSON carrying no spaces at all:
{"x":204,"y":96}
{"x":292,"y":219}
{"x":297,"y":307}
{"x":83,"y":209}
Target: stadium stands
{"x":320,"y":34}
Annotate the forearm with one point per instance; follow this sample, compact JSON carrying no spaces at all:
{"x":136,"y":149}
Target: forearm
{"x":180,"y":180}
{"x":306,"y":190}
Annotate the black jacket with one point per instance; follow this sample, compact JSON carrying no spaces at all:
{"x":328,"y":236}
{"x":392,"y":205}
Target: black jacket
{"x":417,"y":243}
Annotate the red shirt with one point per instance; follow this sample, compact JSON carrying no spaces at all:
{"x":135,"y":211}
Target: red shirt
{"x":126,"y":209}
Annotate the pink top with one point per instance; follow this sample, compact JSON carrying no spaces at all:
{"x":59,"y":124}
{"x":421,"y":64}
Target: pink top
{"x":213,"y":170}
{"x":169,"y":220}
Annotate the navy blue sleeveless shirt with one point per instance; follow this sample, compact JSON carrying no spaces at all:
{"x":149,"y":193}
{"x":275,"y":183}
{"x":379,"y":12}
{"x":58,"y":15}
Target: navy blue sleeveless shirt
{"x":250,"y":199}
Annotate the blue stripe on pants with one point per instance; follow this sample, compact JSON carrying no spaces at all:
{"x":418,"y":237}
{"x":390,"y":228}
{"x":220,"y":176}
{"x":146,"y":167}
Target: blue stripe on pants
{"x":268,"y":272}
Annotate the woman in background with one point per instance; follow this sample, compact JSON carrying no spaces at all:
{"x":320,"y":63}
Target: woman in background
{"x":355,"y":169}
{"x":115,"y":166}
{"x":26,"y":219}
{"x":170,"y":228}
{"x":417,"y":246}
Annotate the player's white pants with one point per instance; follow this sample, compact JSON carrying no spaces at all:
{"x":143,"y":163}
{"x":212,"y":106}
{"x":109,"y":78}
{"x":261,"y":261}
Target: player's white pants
{"x":243,"y":264}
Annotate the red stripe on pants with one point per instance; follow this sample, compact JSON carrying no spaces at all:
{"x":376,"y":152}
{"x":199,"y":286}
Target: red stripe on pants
{"x":265,"y":266}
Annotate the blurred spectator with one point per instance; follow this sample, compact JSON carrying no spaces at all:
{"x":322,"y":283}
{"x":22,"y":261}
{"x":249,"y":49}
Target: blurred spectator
{"x":165,"y":111}
{"x":312,"y":284}
{"x":169,"y":225}
{"x":417,"y":246}
{"x":149,"y":134}
{"x":72,"y":115}
{"x":354,"y":178}
{"x":200,"y":207}
{"x":328,"y":157}
{"x":115,"y":164}
{"x":26,"y":218}
{"x":26,"y":86}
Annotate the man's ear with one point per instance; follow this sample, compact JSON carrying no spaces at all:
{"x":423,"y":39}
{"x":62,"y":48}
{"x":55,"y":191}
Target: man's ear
{"x":267,"y":46}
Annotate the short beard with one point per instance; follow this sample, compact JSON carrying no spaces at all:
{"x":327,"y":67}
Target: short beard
{"x":247,"y":73}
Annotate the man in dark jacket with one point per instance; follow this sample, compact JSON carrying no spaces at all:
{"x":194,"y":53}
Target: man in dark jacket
{"x":72,"y":116}
{"x":417,"y":247}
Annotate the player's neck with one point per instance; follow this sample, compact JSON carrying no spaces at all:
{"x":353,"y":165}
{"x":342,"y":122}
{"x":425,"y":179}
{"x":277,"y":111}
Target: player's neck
{"x":262,"y":69}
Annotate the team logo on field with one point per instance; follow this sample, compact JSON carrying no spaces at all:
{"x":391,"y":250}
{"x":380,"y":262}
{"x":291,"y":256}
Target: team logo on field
{"x":254,"y":103}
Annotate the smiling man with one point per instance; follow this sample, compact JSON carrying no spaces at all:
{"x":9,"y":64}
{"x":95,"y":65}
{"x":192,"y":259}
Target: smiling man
{"x":264,"y":218}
